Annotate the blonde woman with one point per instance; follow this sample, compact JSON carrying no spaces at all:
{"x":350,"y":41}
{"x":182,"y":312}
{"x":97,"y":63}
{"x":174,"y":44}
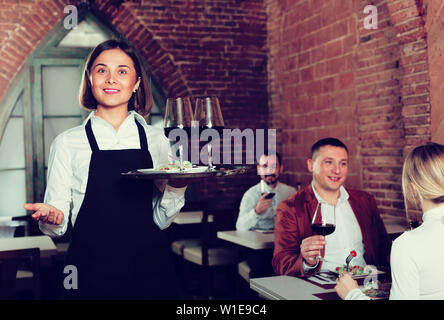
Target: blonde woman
{"x":417,"y":256}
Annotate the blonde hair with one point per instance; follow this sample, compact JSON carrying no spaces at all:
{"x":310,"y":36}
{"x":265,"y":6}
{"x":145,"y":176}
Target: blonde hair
{"x":424,"y":170}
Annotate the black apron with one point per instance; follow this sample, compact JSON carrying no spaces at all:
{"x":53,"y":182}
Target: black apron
{"x":119,"y":252}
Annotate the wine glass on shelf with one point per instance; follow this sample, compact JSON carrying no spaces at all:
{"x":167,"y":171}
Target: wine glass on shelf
{"x":209,"y":116}
{"x":177,"y":126}
{"x":325,"y":224}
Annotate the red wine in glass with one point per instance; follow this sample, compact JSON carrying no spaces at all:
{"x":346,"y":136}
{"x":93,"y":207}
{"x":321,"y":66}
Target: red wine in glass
{"x":323,"y":229}
{"x":209,"y":115}
{"x":179,"y":116}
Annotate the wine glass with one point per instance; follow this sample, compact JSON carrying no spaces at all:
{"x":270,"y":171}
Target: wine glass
{"x":177,"y":125}
{"x":209,"y":116}
{"x":325,"y":225}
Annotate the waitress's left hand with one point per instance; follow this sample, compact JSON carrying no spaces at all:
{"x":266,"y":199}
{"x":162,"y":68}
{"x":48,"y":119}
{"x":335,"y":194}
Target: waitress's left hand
{"x":345,"y":284}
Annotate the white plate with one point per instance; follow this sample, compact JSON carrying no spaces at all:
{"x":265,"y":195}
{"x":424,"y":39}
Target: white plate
{"x":197,"y":169}
{"x":190,"y":170}
{"x":158,"y":171}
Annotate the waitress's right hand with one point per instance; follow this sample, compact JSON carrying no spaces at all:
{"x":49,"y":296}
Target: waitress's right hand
{"x":45,"y":212}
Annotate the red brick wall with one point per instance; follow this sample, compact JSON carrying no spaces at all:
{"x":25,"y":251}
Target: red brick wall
{"x":22,"y":25}
{"x":312,"y":74}
{"x":328,"y":76}
{"x":379,"y":104}
{"x":435,"y":44}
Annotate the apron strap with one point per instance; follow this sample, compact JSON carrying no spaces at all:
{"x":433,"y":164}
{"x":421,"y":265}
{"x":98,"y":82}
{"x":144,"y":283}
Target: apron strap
{"x":142,"y":136}
{"x":91,"y":139}
{"x":93,"y":143}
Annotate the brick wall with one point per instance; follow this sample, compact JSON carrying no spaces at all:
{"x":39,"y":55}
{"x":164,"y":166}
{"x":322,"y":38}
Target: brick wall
{"x":329,"y":76}
{"x":22,"y":25}
{"x":435,"y":44}
{"x":379,"y":104}
{"x":312,"y":76}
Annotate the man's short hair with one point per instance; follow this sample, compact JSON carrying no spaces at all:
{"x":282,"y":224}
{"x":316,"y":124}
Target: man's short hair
{"x":270,"y":153}
{"x":327,"y":142}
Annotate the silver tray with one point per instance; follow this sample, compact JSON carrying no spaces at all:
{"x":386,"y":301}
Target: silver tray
{"x":218,"y":171}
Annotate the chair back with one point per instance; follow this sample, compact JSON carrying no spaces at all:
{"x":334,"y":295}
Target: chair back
{"x":10,"y":262}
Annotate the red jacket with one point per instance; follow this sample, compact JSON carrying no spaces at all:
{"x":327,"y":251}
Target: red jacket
{"x":293,"y":224}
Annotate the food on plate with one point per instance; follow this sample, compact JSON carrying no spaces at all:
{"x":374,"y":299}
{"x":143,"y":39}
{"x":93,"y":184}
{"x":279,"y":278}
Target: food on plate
{"x":354,"y":270}
{"x":176,"y":166}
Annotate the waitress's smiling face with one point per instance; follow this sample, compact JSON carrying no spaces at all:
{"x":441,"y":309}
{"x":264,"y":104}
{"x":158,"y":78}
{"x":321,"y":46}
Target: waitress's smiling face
{"x":113,"y":79}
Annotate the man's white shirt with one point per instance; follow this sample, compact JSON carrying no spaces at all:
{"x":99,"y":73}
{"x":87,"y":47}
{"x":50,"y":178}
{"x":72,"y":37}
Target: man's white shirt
{"x":248,"y":218}
{"x":347,"y":235}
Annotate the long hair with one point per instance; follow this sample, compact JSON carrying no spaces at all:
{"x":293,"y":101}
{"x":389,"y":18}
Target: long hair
{"x":424,"y":169}
{"x":141,"y":101}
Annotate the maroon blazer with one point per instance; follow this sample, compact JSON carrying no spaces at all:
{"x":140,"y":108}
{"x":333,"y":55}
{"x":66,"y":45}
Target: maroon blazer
{"x":293,"y":224}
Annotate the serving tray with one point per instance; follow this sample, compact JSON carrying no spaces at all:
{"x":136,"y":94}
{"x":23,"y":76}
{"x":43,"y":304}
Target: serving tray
{"x":192,"y":173}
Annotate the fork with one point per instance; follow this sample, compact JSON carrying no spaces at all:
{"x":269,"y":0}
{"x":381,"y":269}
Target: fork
{"x":349,"y":258}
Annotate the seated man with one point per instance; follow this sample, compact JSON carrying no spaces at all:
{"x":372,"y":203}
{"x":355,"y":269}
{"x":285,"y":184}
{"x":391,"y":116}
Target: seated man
{"x":258,"y":209}
{"x":358,"y":224}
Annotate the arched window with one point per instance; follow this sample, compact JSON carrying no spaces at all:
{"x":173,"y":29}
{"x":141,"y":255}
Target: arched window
{"x":42,"y":103}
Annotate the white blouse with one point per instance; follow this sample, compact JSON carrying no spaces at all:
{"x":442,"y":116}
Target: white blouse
{"x":416,"y":260}
{"x":69,"y":160}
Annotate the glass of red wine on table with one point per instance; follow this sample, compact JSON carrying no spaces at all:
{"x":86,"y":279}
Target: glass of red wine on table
{"x":177,"y":126}
{"x":325,"y":224}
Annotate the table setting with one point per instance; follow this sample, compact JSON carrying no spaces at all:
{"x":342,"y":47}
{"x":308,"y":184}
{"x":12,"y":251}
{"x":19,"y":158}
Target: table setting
{"x":373,"y":281}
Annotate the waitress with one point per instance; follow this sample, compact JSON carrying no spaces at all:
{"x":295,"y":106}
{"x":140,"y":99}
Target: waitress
{"x":117,"y":244}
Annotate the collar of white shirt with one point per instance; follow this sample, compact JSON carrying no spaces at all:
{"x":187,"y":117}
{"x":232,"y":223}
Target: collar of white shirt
{"x":131,"y":116}
{"x":343,"y":195}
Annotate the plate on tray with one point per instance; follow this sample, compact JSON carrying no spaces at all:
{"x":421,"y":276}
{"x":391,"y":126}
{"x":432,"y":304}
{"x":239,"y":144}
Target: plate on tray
{"x":160,"y":171}
{"x":194,"y":172}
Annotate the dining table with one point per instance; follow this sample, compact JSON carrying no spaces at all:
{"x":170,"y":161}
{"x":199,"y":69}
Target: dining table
{"x":319,"y":286}
{"x":48,"y":249}
{"x":191,"y":217}
{"x":289,"y":288}
{"x":264,"y":239}
{"x":252,"y":239}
